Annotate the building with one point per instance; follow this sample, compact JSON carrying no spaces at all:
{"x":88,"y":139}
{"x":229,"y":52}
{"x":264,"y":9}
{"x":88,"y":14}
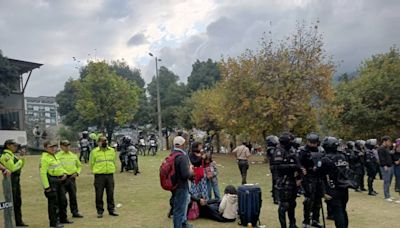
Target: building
{"x":12,"y":108}
{"x":41,"y":111}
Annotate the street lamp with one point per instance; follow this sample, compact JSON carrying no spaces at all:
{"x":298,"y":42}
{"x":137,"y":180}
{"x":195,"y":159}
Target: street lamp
{"x":158,"y":100}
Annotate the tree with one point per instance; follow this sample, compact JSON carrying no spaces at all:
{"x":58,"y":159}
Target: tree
{"x":122,"y":69}
{"x":371,"y":102}
{"x":172,"y":95}
{"x":286,"y":86}
{"x":9,"y":76}
{"x":105,"y":99}
{"x":66,"y":100}
{"x":204,"y":75}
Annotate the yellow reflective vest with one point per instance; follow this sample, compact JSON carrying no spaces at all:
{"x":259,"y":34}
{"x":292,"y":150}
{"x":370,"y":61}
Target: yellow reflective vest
{"x":50,"y":165}
{"x":11,"y":162}
{"x":69,"y":161}
{"x":102,"y":160}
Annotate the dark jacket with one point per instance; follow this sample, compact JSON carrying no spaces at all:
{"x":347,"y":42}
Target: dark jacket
{"x":182,"y":169}
{"x":195,"y":160}
{"x":385,"y":158}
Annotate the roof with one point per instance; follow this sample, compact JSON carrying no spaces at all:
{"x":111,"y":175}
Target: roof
{"x":24,"y":66}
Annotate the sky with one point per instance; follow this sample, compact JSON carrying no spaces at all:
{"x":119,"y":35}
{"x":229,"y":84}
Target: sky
{"x":65,"y":34}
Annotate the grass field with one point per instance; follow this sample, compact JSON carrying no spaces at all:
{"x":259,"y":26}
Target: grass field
{"x":144,"y":204}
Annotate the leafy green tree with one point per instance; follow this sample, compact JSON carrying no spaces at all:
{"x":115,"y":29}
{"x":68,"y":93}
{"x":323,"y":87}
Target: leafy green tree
{"x":105,"y":99}
{"x":9,"y":76}
{"x":204,"y":75}
{"x":66,"y":100}
{"x":122,"y":69}
{"x":172,"y":95}
{"x":370,"y":103}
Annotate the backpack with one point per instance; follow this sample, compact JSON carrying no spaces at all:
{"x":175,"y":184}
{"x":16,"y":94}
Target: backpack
{"x":167,"y":172}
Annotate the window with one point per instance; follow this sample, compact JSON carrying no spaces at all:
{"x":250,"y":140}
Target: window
{"x":47,"y":121}
{"x":47,"y":109}
{"x":47,"y":114}
{"x":9,"y":120}
{"x":36,"y":108}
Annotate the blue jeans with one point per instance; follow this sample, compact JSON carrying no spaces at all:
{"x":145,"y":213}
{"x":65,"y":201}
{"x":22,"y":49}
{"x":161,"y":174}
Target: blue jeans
{"x":387,"y":180}
{"x":212,"y":186}
{"x":397,"y":178}
{"x":181,"y":199}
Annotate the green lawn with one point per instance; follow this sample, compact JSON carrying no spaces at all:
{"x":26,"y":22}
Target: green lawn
{"x":145,"y":204}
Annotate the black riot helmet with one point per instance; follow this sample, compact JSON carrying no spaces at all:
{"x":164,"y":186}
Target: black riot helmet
{"x":371,"y":143}
{"x":297,"y":142}
{"x":360,"y":144}
{"x":350,"y":145}
{"x":272,"y":140}
{"x":313,"y":138}
{"x":286,"y":140}
{"x":330,"y":144}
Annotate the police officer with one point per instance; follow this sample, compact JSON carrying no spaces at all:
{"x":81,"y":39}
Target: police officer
{"x":311,"y":160}
{"x":371,"y":164}
{"x":272,"y":141}
{"x":14,"y":164}
{"x":102,"y":163}
{"x":52,"y":175}
{"x":335,"y":166}
{"x":288,"y":171}
{"x":72,"y":166}
{"x":360,"y":168}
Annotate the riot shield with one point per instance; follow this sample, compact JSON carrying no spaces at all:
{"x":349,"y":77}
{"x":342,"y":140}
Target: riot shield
{"x":6,"y":203}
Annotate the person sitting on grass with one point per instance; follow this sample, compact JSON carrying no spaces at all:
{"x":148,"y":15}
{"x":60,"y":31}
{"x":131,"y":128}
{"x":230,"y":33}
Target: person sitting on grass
{"x":229,"y":205}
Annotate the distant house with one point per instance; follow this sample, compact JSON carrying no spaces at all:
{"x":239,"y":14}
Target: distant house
{"x":12,"y":108}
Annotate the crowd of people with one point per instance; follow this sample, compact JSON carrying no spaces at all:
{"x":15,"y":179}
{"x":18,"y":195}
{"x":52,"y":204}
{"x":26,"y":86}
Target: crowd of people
{"x":326,"y":169}
{"x":58,"y":172}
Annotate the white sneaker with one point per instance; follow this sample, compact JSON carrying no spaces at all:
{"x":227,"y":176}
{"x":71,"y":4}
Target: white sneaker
{"x":388,"y":199}
{"x":397,"y":201}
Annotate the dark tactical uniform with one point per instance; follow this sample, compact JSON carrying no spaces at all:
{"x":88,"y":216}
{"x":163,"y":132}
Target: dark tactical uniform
{"x":272,"y":142}
{"x":371,"y":164}
{"x":313,"y":184}
{"x":288,"y":169}
{"x":337,"y":182}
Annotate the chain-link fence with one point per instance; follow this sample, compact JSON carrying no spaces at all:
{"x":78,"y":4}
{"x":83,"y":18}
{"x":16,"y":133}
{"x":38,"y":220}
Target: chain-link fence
{"x":6,"y":203}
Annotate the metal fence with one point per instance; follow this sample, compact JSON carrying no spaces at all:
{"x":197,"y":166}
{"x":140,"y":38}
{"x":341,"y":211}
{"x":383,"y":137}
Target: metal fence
{"x":6,"y":203}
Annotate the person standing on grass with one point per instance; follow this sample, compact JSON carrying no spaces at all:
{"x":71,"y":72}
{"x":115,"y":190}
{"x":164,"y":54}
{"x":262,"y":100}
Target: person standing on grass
{"x":72,"y":165}
{"x":53,"y":175}
{"x":14,"y":164}
{"x":181,"y":196}
{"x":102,"y":164}
{"x":386,"y":165}
{"x":243,"y":154}
{"x":396,"y":159}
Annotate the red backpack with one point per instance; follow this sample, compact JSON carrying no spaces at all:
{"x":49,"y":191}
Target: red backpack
{"x":167,"y":172}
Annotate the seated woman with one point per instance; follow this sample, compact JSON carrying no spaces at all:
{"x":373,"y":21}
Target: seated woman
{"x":224,"y":211}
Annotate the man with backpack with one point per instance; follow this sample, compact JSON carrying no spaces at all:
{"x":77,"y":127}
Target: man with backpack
{"x":175,"y":173}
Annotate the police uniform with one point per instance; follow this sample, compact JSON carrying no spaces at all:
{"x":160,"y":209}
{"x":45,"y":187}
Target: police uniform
{"x":312,"y":183}
{"x":288,"y":168}
{"x":72,"y":166}
{"x":102,"y":163}
{"x":52,"y":174}
{"x":14,"y":165}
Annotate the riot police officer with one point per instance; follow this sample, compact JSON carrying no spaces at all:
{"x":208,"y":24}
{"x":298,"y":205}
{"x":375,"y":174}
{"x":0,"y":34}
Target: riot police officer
{"x":84,"y":145}
{"x":360,"y":169}
{"x":371,"y":164}
{"x":272,"y":141}
{"x":337,"y":181}
{"x":311,"y":160}
{"x":126,"y":141}
{"x":288,"y":172}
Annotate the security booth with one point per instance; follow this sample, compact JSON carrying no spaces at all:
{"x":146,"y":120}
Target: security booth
{"x":13,"y":126}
